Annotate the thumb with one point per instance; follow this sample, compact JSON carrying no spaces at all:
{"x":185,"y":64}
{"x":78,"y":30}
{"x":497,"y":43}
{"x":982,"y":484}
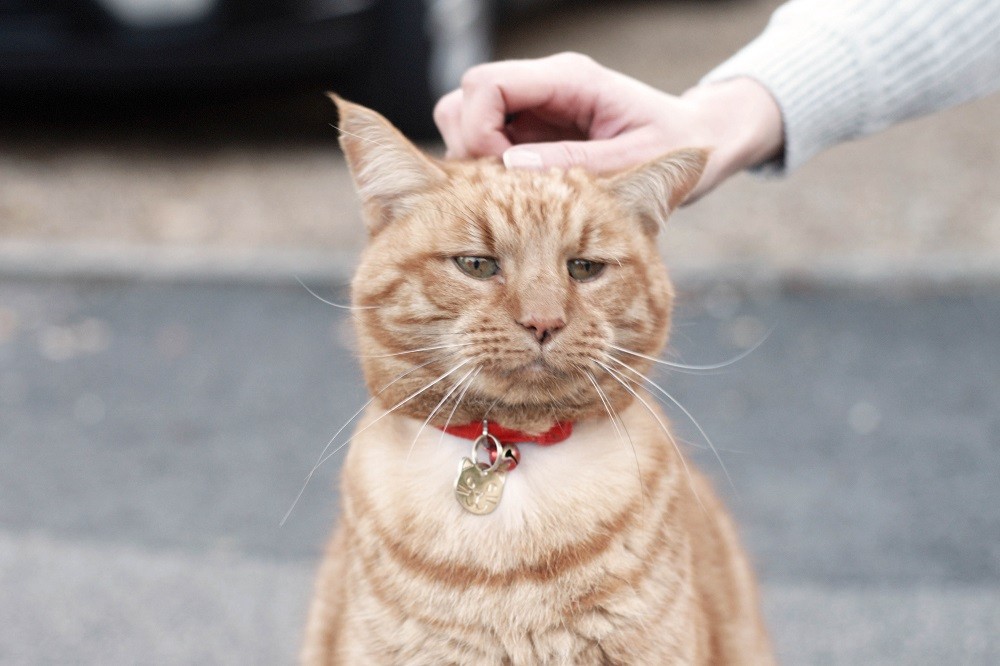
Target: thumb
{"x":596,"y":156}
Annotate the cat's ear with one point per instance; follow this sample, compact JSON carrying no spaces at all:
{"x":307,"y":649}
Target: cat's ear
{"x":386,"y":167}
{"x":654,"y":189}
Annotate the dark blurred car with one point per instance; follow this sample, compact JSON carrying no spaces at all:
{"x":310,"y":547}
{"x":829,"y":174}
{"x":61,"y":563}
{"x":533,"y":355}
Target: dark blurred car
{"x":396,"y":55}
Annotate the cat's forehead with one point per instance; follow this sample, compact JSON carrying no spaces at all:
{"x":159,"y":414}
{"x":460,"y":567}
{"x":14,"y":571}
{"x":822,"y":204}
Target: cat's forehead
{"x":522,"y":205}
{"x":553,"y":184}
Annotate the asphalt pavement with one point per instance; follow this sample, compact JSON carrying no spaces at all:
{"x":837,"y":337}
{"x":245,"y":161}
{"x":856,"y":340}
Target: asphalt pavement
{"x":154,"y":434}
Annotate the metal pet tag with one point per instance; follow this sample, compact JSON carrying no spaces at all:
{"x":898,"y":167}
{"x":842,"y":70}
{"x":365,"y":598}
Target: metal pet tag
{"x":479,"y":485}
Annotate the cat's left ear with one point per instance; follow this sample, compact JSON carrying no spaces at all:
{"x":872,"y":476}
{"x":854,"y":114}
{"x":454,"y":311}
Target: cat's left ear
{"x":654,"y":189}
{"x":386,"y":167}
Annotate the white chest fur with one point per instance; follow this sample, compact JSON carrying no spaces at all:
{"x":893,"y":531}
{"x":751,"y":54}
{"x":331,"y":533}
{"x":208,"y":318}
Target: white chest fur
{"x":557,"y":494}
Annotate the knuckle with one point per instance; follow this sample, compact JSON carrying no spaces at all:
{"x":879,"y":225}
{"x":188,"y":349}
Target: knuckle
{"x":476,"y":76}
{"x":573,"y":154}
{"x":444,"y":110}
{"x":575,"y":60}
{"x":439,"y":114}
{"x":478,"y":144}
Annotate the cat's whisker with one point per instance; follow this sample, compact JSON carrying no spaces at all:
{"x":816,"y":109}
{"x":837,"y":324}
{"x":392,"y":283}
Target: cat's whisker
{"x":331,"y":303}
{"x":319,"y":460}
{"x":673,"y":366}
{"x":607,"y":408}
{"x":416,"y":351}
{"x":615,"y":417}
{"x":435,"y":411}
{"x":492,"y":405}
{"x":458,"y":401}
{"x":363,"y":407}
{"x":698,"y":368}
{"x":666,"y":431}
{"x":392,"y":409}
{"x":689,"y":415}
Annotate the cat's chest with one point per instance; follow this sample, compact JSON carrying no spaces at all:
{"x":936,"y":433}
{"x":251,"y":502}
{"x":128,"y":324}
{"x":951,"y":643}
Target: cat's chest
{"x":572,"y":523}
{"x":411,"y":474}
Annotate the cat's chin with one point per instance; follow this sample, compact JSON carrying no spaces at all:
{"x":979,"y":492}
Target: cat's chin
{"x":534,"y":376}
{"x":535,"y":398}
{"x":533,"y":417}
{"x":538,"y":370}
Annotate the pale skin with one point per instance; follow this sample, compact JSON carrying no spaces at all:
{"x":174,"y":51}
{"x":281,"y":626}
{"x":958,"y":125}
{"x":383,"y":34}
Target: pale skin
{"x":567,"y":110}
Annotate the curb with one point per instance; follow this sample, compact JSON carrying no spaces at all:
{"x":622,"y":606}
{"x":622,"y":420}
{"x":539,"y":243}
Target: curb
{"x":96,"y":262}
{"x":926,"y":276}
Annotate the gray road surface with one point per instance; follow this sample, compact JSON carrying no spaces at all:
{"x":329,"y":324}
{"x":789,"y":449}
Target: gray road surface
{"x":153,"y":435}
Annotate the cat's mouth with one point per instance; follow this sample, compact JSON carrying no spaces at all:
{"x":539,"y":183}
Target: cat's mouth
{"x":537,"y":369}
{"x":538,"y":365}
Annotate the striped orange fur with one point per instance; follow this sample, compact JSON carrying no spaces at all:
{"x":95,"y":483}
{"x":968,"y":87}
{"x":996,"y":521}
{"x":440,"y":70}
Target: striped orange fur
{"x":605,"y":548}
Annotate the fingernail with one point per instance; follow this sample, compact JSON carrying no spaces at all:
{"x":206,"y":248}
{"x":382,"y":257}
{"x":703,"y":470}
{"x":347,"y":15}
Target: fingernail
{"x":518,"y":158}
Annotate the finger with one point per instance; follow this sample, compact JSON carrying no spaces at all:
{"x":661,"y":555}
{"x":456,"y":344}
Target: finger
{"x":601,"y":156}
{"x":483,"y":115}
{"x":447,"y":117}
{"x":563,"y":86}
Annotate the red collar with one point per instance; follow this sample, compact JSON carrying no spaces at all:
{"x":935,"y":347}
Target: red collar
{"x":557,"y":433}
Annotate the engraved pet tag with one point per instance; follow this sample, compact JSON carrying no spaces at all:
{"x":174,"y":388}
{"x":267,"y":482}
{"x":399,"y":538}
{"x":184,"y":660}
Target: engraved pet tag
{"x":479,"y":486}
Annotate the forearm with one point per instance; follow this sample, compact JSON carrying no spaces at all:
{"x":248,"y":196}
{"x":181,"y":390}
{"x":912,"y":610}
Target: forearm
{"x":840,"y":69}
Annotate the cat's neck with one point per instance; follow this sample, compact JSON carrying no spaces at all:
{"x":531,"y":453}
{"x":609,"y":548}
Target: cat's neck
{"x":413,"y":464}
{"x":533,"y":419}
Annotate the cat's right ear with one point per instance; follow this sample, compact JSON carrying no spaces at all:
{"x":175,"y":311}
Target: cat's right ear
{"x":387,"y":168}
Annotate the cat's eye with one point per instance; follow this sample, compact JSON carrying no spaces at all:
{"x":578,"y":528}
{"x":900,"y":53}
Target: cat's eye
{"x":584,"y":269}
{"x":480,"y":268}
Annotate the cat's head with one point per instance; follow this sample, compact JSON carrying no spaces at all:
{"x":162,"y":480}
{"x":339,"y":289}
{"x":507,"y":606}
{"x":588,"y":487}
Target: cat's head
{"x":518,"y":291}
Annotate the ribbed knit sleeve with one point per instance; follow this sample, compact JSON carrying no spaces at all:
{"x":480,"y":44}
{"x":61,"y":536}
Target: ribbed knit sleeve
{"x":841,"y":69}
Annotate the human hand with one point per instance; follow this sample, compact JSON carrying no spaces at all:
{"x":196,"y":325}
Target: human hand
{"x":566,"y":110}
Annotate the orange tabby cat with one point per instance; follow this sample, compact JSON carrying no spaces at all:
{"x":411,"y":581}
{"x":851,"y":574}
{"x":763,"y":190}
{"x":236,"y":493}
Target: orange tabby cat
{"x":529,"y":299}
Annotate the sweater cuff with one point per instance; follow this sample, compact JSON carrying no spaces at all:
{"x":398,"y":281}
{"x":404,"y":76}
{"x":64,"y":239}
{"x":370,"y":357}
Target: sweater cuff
{"x":816,"y":77}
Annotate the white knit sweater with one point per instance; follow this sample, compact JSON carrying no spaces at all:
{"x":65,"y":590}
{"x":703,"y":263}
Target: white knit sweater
{"x":842,"y":69}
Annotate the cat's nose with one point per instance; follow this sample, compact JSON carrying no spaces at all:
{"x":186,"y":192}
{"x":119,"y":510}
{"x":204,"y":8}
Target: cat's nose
{"x":543,"y":328}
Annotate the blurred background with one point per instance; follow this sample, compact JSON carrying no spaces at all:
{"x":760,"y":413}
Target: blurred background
{"x":167,"y":172}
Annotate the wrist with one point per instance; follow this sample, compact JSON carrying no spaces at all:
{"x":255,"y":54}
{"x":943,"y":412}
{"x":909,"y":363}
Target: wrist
{"x":743,"y":119}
